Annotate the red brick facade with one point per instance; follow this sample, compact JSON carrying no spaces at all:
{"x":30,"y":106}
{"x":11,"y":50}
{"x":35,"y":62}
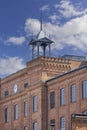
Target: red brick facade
{"x":39,"y":75}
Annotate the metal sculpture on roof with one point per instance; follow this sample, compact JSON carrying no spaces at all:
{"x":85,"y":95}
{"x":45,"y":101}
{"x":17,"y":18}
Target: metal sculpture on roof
{"x":41,"y":41}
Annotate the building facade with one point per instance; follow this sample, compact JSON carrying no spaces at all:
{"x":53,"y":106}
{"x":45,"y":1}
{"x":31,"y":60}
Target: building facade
{"x":45,"y":95}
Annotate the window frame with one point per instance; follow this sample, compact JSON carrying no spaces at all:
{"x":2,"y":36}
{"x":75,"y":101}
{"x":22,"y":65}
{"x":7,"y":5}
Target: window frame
{"x":35,"y":103}
{"x":16,"y":112}
{"x":52,"y":99}
{"x":6,"y":93}
{"x":26,"y":85}
{"x":62,"y":96}
{"x":6,"y":115}
{"x":52,"y":124}
{"x":62,"y":123}
{"x":25,"y":127}
{"x":73,"y":93}
{"x":35,"y":126}
{"x":84,"y":89}
{"x":25,"y":108}
{"x":84,"y":112}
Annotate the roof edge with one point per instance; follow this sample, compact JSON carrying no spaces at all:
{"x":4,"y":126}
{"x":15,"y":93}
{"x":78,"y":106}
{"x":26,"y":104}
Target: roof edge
{"x":66,"y":73}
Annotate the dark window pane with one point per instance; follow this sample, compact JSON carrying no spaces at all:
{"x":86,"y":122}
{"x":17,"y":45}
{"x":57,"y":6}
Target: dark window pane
{"x":25,"y":85}
{"x":6,"y":93}
{"x":52,"y":99}
{"x":6,"y":114}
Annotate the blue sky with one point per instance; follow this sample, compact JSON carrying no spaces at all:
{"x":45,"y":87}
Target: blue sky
{"x":65,"y":21}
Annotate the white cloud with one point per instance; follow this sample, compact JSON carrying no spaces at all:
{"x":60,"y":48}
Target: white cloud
{"x":67,"y":9}
{"x":16,"y":40}
{"x":45,"y":8}
{"x":54,"y":18}
{"x":9,"y":65}
{"x":32,"y":26}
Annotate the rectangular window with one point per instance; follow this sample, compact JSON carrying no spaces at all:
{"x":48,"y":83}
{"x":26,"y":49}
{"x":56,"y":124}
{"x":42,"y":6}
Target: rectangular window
{"x":62,"y":123}
{"x":25,"y":128}
{"x":52,"y":99}
{"x":73,"y":93}
{"x":52,"y":124}
{"x":35,"y":126}
{"x":15,"y":112}
{"x":25,"y":85}
{"x":6,"y":93}
{"x":62,"y":96}
{"x":84,"y":89}
{"x":35,"y":104}
{"x":6,"y":115}
{"x":25,"y":108}
{"x":84,"y":112}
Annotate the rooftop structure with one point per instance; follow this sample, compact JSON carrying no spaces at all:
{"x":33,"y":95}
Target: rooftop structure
{"x":40,"y":43}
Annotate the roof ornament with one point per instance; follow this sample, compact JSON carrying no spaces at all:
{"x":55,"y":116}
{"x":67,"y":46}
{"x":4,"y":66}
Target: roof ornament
{"x":40,"y":43}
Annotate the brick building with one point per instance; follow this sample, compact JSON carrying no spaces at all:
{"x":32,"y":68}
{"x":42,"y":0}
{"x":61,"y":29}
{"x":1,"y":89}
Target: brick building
{"x":48,"y":94}
{"x":44,"y":95}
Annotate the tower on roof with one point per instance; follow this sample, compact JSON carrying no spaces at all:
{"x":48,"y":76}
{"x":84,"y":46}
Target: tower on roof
{"x":40,"y":44}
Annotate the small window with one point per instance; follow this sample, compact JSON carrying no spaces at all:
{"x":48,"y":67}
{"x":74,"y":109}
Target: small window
{"x":6,"y":93}
{"x":84,"y":112}
{"x":52,"y":99}
{"x":15,"y":112}
{"x":84,"y":89}
{"x":35,"y":104}
{"x":35,"y":126}
{"x":62,"y":123}
{"x":25,"y":128}
{"x":73,"y":93}
{"x":25,"y":108}
{"x":6,"y":114}
{"x":62,"y":96}
{"x":52,"y":124}
{"x":25,"y":85}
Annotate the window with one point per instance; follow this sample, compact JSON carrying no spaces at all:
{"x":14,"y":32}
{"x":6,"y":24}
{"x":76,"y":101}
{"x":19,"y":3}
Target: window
{"x":52,"y":124}
{"x":6,"y":114}
{"x":25,"y":128}
{"x":62,"y":96}
{"x":35,"y":126}
{"x":25,"y":108}
{"x":6,"y":93}
{"x":84,"y":112}
{"x":35,"y":104}
{"x":15,"y":112}
{"x":73,"y":93}
{"x":84,"y":89}
{"x":52,"y":100}
{"x":62,"y":123}
{"x":25,"y":85}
